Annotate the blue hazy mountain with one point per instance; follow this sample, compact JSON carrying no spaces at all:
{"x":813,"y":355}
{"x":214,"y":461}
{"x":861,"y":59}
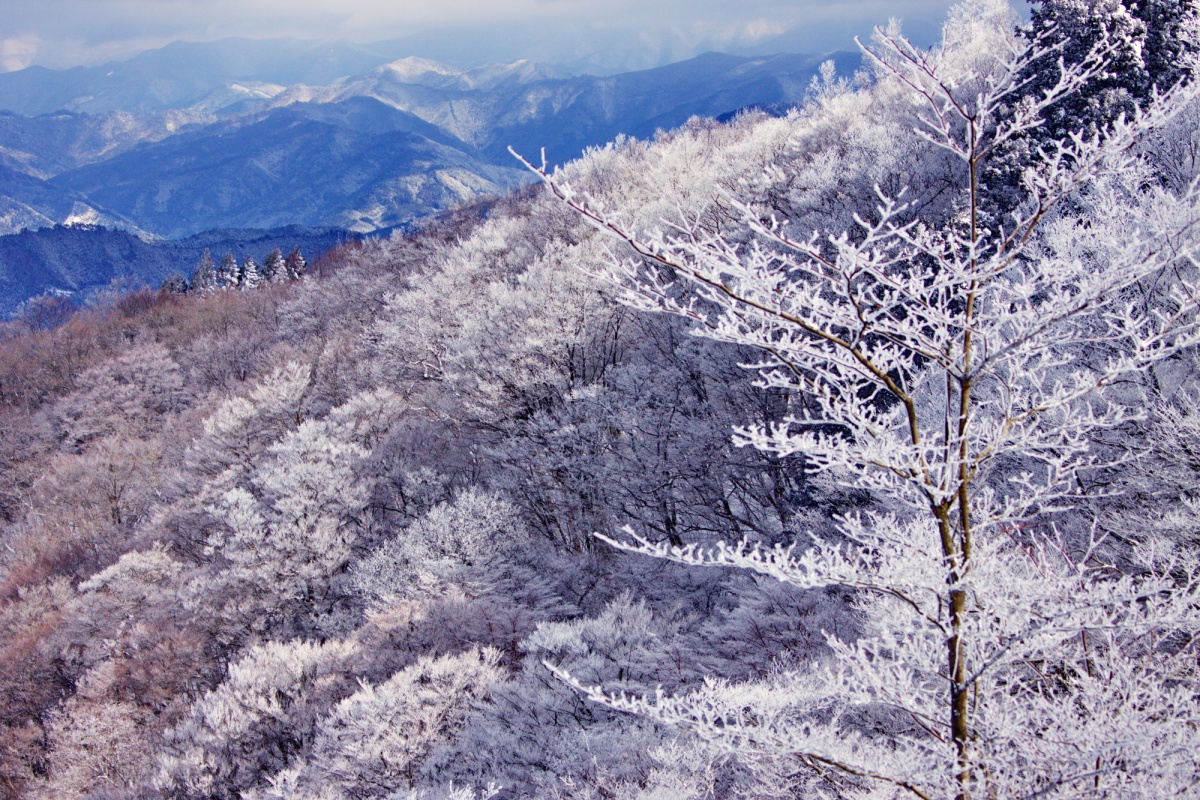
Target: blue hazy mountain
{"x":356,"y":164}
{"x":243,"y":134}
{"x":580,"y":48}
{"x":27,"y":201}
{"x":410,"y":138}
{"x":566,"y":116}
{"x":51,"y":143}
{"x":528,"y":106}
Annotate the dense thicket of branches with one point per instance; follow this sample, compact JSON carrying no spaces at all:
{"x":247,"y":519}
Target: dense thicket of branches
{"x":323,"y":539}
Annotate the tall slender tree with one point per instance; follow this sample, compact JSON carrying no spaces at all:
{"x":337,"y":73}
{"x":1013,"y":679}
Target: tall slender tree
{"x":295,"y":266}
{"x":272,"y":267}
{"x":250,"y":277}
{"x":228,"y":273}
{"x":204,"y":278}
{"x":960,"y":373}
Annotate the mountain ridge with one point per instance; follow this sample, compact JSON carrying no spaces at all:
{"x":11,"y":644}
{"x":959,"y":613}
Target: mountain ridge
{"x":78,"y":260}
{"x":406,"y":139}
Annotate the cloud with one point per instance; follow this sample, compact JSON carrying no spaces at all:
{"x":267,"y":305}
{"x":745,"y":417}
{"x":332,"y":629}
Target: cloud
{"x":67,"y":32}
{"x":18,"y":52}
{"x":757,"y":29}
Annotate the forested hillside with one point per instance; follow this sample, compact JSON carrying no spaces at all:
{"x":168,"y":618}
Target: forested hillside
{"x":893,"y":399}
{"x":82,"y":261}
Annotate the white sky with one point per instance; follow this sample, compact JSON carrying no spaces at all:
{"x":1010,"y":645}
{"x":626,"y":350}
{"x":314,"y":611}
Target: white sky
{"x":59,"y":33}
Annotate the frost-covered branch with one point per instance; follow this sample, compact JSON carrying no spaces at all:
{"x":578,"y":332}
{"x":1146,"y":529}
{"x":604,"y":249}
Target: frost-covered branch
{"x":961,"y":375}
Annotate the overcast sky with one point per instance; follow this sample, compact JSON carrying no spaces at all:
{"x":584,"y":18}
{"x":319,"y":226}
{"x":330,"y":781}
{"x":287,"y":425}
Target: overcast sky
{"x":60,"y":33}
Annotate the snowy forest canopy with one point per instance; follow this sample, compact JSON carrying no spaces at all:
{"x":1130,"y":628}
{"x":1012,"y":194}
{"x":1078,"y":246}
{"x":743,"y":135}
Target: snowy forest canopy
{"x":884,"y":412}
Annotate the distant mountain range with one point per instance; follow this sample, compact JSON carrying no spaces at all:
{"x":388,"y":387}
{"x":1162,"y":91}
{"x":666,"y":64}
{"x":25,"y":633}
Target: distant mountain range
{"x":262,"y":134}
{"x":241,"y":134}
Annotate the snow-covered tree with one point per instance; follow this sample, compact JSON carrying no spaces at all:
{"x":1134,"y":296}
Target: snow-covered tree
{"x":286,"y":503}
{"x":1151,"y":44}
{"x":98,"y":741}
{"x":272,"y":267}
{"x":228,"y":272}
{"x":1077,"y":31}
{"x":286,"y":534}
{"x":204,"y":277}
{"x":294,"y":266}
{"x":537,"y":738}
{"x":1146,"y":46}
{"x":449,"y":537}
{"x":250,"y":277}
{"x":253,"y":724}
{"x":372,"y":743}
{"x":174,"y":283}
{"x":1171,"y":43}
{"x":129,"y":394}
{"x":241,"y":428}
{"x":959,"y":370}
{"x":130,"y":588}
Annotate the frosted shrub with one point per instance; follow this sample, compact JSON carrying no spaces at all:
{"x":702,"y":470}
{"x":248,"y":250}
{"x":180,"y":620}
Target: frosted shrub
{"x":453,"y":535}
{"x":371,"y":743}
{"x":537,"y":738}
{"x":309,"y":488}
{"x":284,"y":537}
{"x":251,"y":725}
{"x":241,"y":427}
{"x":130,"y":394}
{"x":97,"y":741}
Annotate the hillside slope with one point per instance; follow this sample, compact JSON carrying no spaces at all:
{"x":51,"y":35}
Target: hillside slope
{"x":77,"y":261}
{"x":366,"y":535}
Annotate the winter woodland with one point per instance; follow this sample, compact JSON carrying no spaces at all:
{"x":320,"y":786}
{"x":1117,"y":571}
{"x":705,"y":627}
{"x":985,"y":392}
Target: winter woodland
{"x":846,"y":454}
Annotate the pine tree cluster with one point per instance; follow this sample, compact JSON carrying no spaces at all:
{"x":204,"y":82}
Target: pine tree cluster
{"x":208,"y":276}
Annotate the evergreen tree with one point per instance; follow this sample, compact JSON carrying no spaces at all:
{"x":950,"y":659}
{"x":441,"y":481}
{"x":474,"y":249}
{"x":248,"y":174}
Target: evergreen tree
{"x":272,"y":267}
{"x":295,"y":265}
{"x":204,"y":279}
{"x":174,"y":283}
{"x":228,"y":273}
{"x":1125,"y":50}
{"x":1078,"y":31}
{"x":1150,"y":44}
{"x":1171,"y":44}
{"x":249,"y":277}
